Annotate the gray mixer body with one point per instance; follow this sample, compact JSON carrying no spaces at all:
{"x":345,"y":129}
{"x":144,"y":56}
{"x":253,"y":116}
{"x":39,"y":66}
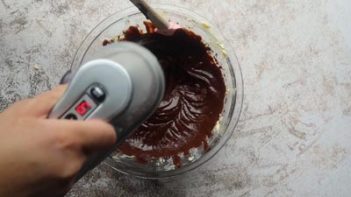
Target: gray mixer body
{"x":122,"y":84}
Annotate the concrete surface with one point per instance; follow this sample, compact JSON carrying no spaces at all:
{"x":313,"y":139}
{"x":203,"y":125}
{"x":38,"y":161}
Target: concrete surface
{"x":294,"y":135}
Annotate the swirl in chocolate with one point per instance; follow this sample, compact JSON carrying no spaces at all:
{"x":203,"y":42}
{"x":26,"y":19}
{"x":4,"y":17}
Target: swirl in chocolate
{"x":193,"y":99}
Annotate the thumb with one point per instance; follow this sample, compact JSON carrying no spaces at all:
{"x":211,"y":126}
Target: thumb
{"x":39,"y":106}
{"x":44,"y":102}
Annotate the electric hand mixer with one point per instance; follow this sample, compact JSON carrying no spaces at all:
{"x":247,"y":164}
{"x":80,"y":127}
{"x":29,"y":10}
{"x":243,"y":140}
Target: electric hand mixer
{"x":123,"y":84}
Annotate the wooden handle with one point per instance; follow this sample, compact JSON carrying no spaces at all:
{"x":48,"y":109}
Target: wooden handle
{"x":151,"y":14}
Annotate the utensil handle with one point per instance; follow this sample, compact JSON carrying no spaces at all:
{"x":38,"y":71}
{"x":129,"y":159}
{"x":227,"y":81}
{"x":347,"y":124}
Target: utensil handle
{"x":151,"y":14}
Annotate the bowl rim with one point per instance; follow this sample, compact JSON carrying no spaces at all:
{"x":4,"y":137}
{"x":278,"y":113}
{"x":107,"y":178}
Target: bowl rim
{"x":237,"y":81}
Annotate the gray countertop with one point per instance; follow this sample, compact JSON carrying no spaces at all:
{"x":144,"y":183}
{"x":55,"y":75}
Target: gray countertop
{"x":294,"y":135}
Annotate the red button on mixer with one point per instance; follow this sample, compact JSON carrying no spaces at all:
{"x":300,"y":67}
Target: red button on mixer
{"x":83,"y":108}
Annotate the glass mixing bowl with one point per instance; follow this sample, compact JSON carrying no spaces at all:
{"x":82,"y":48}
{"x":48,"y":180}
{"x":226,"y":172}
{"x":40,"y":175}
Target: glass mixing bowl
{"x":164,"y":167}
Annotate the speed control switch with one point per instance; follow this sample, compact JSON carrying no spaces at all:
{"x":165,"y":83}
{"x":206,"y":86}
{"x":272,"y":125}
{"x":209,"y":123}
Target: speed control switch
{"x":98,"y":93}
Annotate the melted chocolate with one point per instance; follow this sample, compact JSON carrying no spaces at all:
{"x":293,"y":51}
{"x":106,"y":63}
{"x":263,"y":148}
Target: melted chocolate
{"x":193,"y":99}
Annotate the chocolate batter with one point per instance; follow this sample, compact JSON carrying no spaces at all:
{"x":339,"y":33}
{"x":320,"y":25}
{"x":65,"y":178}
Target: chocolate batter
{"x":193,"y":100}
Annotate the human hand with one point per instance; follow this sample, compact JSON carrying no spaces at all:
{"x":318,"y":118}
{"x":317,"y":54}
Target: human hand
{"x":40,"y":156}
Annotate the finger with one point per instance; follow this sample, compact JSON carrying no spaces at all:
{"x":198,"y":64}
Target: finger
{"x":97,"y":135}
{"x":91,"y":135}
{"x":43,"y":103}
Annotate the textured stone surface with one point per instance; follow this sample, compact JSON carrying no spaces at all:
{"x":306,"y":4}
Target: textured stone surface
{"x":294,"y":135}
